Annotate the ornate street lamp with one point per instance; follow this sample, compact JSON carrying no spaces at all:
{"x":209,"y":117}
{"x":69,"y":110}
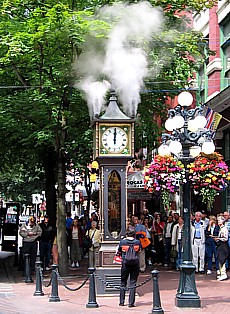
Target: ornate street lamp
{"x":187,"y":139}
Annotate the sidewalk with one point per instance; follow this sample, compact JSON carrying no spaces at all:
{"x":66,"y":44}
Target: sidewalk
{"x":17,"y":296}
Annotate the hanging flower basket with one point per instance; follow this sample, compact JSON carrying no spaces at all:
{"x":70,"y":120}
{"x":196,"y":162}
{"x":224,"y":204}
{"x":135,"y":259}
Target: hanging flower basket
{"x":164,"y":175}
{"x":208,"y":175}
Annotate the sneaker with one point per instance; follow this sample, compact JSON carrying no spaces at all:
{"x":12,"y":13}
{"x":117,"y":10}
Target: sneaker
{"x":218,"y":272}
{"x":73,"y":265}
{"x":149,"y":262}
{"x":222,"y":277}
{"x":209,"y":272}
{"x":166,"y":265}
{"x":47,"y":268}
{"x":77,"y":264}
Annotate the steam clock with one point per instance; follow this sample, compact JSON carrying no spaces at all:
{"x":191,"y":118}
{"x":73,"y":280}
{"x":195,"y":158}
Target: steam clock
{"x":114,"y":147}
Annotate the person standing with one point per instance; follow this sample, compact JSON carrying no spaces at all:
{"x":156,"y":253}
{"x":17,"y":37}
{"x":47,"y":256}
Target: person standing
{"x":148,"y":249}
{"x":95,"y":235}
{"x":76,"y":243}
{"x":167,"y":240}
{"x":129,"y":269}
{"x":177,"y":241}
{"x":222,"y":248}
{"x":227,"y":224}
{"x":46,"y":239}
{"x":30,"y":232}
{"x":198,"y":243}
{"x":211,"y":231}
{"x":204,"y":218}
{"x":140,"y":232}
{"x":159,"y":239}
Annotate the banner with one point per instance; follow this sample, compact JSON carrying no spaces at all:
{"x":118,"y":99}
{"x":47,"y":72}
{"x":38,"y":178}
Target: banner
{"x":213,"y":119}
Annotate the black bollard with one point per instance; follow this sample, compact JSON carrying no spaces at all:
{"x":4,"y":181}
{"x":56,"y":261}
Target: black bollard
{"x":92,"y":303}
{"x":27,"y":268}
{"x":54,"y":292}
{"x":38,"y":291}
{"x":156,"y":293}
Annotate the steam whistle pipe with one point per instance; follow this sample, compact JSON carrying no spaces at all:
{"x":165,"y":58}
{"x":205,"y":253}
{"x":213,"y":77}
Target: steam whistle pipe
{"x":27,"y":268}
{"x":54,"y":291}
{"x":38,"y":291}
{"x":92,"y":303}
{"x":156,"y":293}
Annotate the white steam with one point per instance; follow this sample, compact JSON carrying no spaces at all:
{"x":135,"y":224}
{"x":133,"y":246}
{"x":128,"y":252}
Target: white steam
{"x":122,"y":56}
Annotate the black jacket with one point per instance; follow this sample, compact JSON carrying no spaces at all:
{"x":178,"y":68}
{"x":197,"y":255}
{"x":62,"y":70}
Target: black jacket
{"x":47,"y":232}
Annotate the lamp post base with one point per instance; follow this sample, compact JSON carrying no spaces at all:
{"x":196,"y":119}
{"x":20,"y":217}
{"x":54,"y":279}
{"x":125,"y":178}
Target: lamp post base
{"x":187,"y":295}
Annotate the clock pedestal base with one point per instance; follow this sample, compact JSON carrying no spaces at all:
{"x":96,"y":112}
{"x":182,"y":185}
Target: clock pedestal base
{"x":107,"y":272}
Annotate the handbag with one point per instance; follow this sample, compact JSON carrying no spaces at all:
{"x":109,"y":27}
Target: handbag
{"x":117,"y":259}
{"x":87,"y":242}
{"x":173,"y":253}
{"x":96,"y":244}
{"x":160,"y":237}
{"x":144,"y":242}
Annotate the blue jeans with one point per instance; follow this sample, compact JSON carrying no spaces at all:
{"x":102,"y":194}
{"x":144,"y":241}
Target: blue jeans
{"x":179,"y":259}
{"x":45,"y":251}
{"x":228,"y":260}
{"x":210,"y":251}
{"x":167,"y":249}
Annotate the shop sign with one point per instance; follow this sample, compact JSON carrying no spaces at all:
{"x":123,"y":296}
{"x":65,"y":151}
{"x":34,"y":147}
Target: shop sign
{"x":139,"y":196}
{"x":135,"y":180}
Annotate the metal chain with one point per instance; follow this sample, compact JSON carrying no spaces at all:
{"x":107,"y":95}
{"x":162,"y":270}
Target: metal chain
{"x":68,"y":288}
{"x":124,"y":288}
{"x":43,"y":280}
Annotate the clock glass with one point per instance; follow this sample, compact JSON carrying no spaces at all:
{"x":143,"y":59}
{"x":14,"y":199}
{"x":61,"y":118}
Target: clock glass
{"x":114,"y":139}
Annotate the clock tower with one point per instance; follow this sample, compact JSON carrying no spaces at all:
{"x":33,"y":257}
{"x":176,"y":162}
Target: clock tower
{"x":113,"y":148}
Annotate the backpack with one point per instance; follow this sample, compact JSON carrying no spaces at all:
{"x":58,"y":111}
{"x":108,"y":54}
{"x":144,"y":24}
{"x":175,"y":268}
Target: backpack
{"x":131,"y":257}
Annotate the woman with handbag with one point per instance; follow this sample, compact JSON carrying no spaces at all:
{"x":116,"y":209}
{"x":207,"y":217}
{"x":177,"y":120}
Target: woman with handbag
{"x":95,"y":235}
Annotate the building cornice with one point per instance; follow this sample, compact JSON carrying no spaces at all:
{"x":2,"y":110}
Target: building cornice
{"x":214,"y":65}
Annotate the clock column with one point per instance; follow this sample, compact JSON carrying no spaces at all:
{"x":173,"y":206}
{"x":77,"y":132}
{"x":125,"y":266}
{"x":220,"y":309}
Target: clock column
{"x":114,"y":147}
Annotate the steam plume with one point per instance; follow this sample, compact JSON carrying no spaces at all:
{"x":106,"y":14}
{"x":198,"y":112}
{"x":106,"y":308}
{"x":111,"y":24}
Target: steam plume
{"x":121,"y":58}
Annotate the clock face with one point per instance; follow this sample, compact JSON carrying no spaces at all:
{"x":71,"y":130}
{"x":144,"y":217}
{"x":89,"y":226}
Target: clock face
{"x":114,"y":139}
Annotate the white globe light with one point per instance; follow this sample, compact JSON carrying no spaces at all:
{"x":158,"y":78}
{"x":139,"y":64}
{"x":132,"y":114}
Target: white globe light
{"x":185,"y":99}
{"x":163,"y":150}
{"x":192,"y":126}
{"x":195,"y":151}
{"x":200,"y":121}
{"x":208,"y":147}
{"x":178,"y":122}
{"x":169,"y":125}
{"x":175,"y":147}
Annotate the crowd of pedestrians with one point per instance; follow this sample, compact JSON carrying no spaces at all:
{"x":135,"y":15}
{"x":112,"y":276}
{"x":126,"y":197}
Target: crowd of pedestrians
{"x":40,"y":238}
{"x":160,"y":237}
{"x":210,"y":241}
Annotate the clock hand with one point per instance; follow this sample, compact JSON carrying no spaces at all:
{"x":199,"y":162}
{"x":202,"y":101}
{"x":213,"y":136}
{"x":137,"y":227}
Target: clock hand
{"x":115,"y":136}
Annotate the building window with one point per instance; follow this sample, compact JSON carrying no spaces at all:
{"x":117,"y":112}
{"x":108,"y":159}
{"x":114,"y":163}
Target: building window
{"x":225,"y":47}
{"x":226,"y":146}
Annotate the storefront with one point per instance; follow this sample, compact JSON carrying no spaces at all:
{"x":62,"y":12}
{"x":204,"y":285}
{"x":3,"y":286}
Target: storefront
{"x":138,"y":197}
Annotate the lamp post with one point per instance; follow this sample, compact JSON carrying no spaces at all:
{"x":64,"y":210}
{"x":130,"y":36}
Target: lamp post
{"x":187,"y":139}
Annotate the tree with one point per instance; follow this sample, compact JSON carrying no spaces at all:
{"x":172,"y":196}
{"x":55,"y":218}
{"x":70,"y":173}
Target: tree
{"x":39,"y":41}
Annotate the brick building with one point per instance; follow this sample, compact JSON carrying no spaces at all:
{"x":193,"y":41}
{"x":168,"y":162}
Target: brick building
{"x":213,"y":79}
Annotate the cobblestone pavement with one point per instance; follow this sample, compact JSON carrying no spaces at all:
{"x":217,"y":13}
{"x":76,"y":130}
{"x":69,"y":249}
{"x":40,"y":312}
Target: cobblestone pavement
{"x":16,"y":296}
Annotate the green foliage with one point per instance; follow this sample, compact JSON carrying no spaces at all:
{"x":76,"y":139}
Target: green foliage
{"x":39,"y":40}
{"x":38,"y":43}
